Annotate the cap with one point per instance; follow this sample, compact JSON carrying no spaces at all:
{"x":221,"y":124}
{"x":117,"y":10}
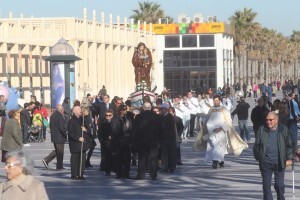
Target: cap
{"x":164,"y":105}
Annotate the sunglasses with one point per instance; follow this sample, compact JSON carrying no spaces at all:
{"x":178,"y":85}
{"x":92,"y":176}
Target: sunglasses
{"x":108,"y":115}
{"x":269,"y":120}
{"x":9,"y":165}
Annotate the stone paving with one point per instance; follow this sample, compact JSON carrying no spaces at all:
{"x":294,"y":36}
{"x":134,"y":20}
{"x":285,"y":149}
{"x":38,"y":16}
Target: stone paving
{"x":239,"y":180}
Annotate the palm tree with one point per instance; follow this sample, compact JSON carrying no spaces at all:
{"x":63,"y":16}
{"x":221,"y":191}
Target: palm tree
{"x":148,"y":12}
{"x":243,"y":22}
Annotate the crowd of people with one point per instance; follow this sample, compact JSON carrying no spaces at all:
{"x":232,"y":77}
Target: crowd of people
{"x":150,"y":136}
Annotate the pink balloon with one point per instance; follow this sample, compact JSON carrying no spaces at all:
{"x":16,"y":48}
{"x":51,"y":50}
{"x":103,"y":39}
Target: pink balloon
{"x":4,"y":91}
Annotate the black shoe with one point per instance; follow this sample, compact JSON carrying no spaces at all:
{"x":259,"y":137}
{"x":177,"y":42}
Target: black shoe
{"x":179,"y":163}
{"x":138,"y":178}
{"x":127,"y":177}
{"x":81,"y":178}
{"x":60,"y":169}
{"x":154,"y":178}
{"x":45,"y":164}
{"x":164,"y":171}
{"x":215,"y":164}
{"x":118,"y":177}
{"x":133,"y":163}
{"x":88,"y":164}
{"x":221,"y":164}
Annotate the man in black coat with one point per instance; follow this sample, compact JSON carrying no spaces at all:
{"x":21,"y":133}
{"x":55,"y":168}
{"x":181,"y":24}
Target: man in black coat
{"x":25,"y":121}
{"x":58,"y":138}
{"x":168,"y":140}
{"x":258,"y":115}
{"x":179,"y":130}
{"x":146,"y":132}
{"x":242,"y":112}
{"x":75,"y":131}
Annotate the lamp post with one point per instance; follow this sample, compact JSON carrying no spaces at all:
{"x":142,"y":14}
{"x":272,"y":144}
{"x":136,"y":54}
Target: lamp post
{"x":85,"y":88}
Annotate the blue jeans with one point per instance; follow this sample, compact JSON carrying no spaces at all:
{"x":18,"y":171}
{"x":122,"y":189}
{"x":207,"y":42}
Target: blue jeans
{"x":267,"y":170}
{"x":243,"y":126}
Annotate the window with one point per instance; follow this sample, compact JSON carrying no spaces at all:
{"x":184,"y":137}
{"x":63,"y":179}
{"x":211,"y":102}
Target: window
{"x":207,"y":40}
{"x":189,"y":41}
{"x":172,"y":41}
{"x":211,"y":54}
{"x":194,"y":54}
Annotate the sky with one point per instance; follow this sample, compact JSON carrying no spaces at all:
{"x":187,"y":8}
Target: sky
{"x":282,"y":16}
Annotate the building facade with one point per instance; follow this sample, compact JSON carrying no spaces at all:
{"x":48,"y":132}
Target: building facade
{"x":106,"y":50}
{"x":195,"y":56}
{"x":186,"y":56}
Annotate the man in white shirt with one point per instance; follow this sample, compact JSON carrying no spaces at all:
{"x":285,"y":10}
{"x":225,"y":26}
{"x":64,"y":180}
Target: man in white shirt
{"x":183,"y":111}
{"x":193,"y":105}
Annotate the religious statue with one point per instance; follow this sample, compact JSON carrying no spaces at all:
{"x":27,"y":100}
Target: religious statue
{"x":142,"y":62}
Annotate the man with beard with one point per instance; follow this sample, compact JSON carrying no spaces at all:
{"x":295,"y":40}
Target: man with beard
{"x":78,"y":157}
{"x":146,"y":132}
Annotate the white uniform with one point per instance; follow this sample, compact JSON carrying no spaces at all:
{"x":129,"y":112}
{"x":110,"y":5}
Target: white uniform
{"x":186,"y":116}
{"x":217,"y":142}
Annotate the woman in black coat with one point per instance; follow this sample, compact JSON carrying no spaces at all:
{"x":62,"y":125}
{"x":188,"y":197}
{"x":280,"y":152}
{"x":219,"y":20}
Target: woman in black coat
{"x":104,"y":136}
{"x":121,"y":141}
{"x":88,"y":136}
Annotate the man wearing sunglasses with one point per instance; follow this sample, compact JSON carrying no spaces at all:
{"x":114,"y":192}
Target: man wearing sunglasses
{"x":274,"y":150}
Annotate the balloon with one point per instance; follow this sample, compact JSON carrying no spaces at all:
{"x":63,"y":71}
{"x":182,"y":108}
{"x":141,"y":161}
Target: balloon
{"x":11,"y":96}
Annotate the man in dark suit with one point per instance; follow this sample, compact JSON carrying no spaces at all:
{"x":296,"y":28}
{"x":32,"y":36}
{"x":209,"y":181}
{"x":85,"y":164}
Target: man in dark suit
{"x":146,"y":133}
{"x":167,"y":141}
{"x":58,"y":138}
{"x":103,"y":107}
{"x":78,"y":157}
{"x":25,"y":123}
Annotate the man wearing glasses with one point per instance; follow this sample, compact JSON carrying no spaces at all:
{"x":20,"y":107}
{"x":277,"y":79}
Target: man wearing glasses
{"x":274,"y":150}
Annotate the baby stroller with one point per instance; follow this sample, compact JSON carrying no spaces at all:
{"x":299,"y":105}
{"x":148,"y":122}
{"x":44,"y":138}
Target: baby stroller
{"x":36,"y":129}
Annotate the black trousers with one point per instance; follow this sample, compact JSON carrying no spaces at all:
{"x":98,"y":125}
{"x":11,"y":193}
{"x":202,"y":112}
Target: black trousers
{"x":168,"y":156}
{"x":58,"y":153}
{"x":123,"y":161}
{"x":147,"y":157}
{"x":192,"y":124}
{"x":107,"y":158}
{"x":75,"y":164}
{"x":91,"y":150}
{"x":103,"y":150}
{"x":25,"y":133}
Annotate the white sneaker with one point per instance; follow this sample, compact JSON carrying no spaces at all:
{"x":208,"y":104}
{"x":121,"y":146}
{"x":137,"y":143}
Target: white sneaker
{"x":27,"y":145}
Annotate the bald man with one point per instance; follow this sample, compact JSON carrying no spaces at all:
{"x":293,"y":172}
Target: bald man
{"x":145,"y":141}
{"x":75,"y":129}
{"x":58,"y":138}
{"x":274,"y":150}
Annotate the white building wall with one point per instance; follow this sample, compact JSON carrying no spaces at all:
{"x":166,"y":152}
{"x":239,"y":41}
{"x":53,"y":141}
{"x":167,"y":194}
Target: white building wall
{"x":105,"y":49}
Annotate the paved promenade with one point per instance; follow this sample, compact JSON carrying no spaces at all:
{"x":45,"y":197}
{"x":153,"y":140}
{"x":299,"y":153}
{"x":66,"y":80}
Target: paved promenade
{"x":239,"y":180}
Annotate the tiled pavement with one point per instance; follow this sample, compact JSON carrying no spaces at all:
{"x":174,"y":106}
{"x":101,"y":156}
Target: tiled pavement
{"x":240,"y":179}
